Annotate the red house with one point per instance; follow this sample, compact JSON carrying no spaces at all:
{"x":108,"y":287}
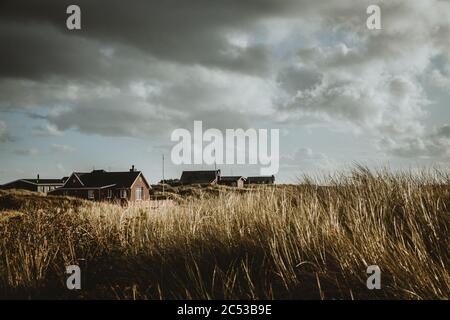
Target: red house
{"x":100,"y":185}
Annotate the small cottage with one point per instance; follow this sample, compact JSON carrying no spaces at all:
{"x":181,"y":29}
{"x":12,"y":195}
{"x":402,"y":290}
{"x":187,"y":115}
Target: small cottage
{"x":203,"y":177}
{"x":261,"y":180}
{"x":232,"y":181}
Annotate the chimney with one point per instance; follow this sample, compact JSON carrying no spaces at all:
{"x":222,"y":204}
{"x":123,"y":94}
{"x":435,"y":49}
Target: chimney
{"x":132,"y":168}
{"x":37,"y":178}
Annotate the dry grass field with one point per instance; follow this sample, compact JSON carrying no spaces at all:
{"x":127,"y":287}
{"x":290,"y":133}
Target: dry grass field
{"x":290,"y":242}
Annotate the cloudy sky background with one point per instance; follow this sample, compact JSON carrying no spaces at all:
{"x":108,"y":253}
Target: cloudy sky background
{"x":109,"y":95}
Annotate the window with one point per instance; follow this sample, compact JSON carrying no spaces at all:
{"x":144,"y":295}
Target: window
{"x":91,"y":194}
{"x":139,"y":192}
{"x":109,"y":196}
{"x":40,"y":189}
{"x":123,"y":193}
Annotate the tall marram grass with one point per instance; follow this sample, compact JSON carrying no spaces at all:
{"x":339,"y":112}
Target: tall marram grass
{"x":292,"y":242}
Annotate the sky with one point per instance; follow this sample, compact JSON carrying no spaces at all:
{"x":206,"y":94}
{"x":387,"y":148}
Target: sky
{"x":109,"y":96}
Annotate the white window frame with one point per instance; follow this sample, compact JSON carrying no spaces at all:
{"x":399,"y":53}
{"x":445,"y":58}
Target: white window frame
{"x":91,"y":194}
{"x":123,"y":193}
{"x":109,"y":193}
{"x":140,"y":193}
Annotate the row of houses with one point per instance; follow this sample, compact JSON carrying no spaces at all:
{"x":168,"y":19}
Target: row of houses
{"x":211,"y":177}
{"x":100,"y":185}
{"x":126,"y":186}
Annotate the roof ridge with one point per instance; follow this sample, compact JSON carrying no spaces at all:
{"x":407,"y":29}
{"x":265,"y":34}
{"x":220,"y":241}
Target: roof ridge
{"x":136,"y":171}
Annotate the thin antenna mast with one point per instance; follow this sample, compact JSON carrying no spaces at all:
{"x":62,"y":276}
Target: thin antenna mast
{"x":215,"y":161}
{"x":163,"y":174}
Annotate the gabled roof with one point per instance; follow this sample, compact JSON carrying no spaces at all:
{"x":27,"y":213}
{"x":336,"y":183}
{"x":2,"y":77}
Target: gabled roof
{"x":36,"y":182}
{"x":260,"y":178}
{"x":44,"y":181}
{"x":101,"y":178}
{"x":200,"y":177}
{"x":231,"y":178}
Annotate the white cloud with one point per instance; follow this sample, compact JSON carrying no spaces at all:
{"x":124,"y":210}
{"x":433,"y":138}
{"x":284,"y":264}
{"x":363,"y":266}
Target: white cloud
{"x":27,"y":151}
{"x":60,"y":148}
{"x":46,"y":130}
{"x":4,"y":134}
{"x":60,"y":168}
{"x":370,"y":80}
{"x":439,"y":79}
{"x":432,"y":146}
{"x":306,"y":159}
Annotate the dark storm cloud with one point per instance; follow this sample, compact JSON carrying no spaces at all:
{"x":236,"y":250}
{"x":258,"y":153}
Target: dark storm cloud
{"x":189,"y":32}
{"x":41,"y":52}
{"x":145,"y":67}
{"x":85,"y":75}
{"x":35,"y":52}
{"x":294,"y":79}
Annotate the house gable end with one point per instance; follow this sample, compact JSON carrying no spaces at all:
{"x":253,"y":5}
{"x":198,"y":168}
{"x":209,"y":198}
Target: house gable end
{"x":73,"y":182}
{"x":141,"y":176}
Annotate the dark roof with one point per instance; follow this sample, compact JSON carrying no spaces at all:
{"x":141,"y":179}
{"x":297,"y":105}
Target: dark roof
{"x":101,"y":178}
{"x":200,"y":177}
{"x":261,"y":178}
{"x":231,"y":178}
{"x":44,"y":181}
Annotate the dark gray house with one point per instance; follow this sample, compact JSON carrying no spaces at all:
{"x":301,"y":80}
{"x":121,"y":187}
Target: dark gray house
{"x":261,"y":180}
{"x":36,"y":185}
{"x":202,"y":177}
{"x":232,"y":181}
